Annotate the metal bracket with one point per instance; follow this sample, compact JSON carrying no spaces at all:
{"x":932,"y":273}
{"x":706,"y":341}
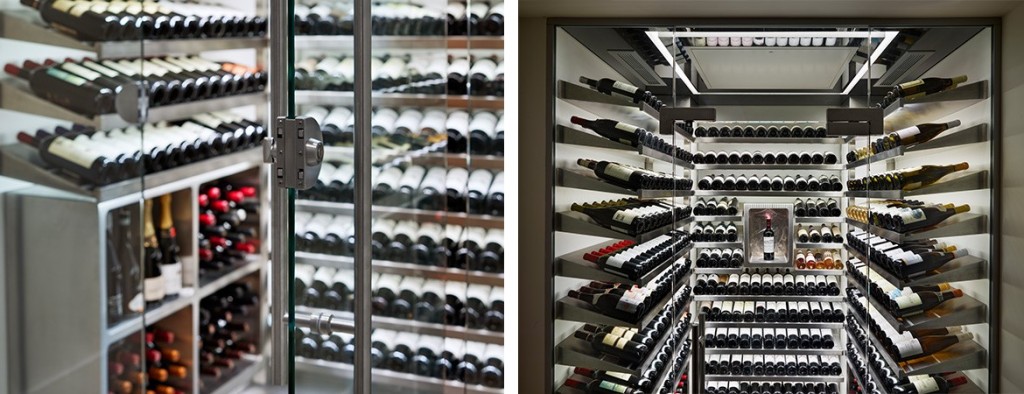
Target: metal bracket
{"x":296,"y":150}
{"x":668,"y":116}
{"x":854,"y":121}
{"x":132,"y":102}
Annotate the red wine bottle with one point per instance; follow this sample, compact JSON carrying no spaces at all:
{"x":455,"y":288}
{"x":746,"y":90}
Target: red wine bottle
{"x":63,"y":153}
{"x":66,"y":89}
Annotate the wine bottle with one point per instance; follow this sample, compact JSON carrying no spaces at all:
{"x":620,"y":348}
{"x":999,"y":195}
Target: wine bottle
{"x":922,"y":87}
{"x":925,"y":216}
{"x":613,"y":130}
{"x":768,"y":239}
{"x":171,"y":266}
{"x":919,"y":302}
{"x":153,"y":284}
{"x":916,"y":134}
{"x":926,"y":346}
{"x":930,"y":384}
{"x":67,"y":90}
{"x":611,"y":87}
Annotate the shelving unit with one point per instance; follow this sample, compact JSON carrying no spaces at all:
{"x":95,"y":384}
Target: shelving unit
{"x":760,"y":193}
{"x":404,"y":269}
{"x":972,"y":180}
{"x":959,"y":224}
{"x":573,"y":265}
{"x":957,"y":270}
{"x":337,"y":98}
{"x":908,"y":112}
{"x":571,"y":309}
{"x":346,"y":44}
{"x":399,"y":213}
{"x":959,"y":311}
{"x":435,"y":329}
{"x":580,"y":180}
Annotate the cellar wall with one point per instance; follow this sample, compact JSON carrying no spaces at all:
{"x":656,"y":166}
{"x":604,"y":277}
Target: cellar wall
{"x":533,"y":187}
{"x":1011,"y":348}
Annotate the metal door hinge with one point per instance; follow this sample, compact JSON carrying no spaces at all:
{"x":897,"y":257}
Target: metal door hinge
{"x":296,"y":150}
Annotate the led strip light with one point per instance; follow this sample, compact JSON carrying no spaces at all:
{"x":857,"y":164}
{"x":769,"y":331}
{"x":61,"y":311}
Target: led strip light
{"x":655,"y":38}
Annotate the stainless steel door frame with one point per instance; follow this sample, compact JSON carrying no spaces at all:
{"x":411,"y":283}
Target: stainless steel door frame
{"x":281,"y":58}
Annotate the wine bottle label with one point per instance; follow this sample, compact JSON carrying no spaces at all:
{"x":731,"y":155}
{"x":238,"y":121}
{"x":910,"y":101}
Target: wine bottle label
{"x":619,"y":375}
{"x":625,"y":217}
{"x":153,"y":288}
{"x":626,"y":127}
{"x":926,"y":385}
{"x":618,"y":172}
{"x":912,"y":216}
{"x":615,"y":261}
{"x":908,"y":301}
{"x":66,"y":77}
{"x":172,"y":277}
{"x":911,"y":84}
{"x":630,"y":302}
{"x":615,"y":388}
{"x":912,"y":259}
{"x":63,"y":5}
{"x":908,"y":132}
{"x":134,"y":8}
{"x":65,"y":149}
{"x":80,"y":9}
{"x":625,"y":87}
{"x":909,"y":348}
{"x":769,"y":244}
{"x":81,"y":71}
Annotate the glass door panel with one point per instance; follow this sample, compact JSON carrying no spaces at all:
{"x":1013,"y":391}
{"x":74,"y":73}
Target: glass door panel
{"x":434,"y":196}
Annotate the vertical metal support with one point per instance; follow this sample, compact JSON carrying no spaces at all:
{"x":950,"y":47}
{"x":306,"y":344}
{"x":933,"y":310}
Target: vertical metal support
{"x":280,"y":215}
{"x":697,"y":354}
{"x":363,"y":108}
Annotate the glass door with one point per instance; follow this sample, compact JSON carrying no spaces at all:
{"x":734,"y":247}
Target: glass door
{"x":132,"y":195}
{"x":398,"y":245}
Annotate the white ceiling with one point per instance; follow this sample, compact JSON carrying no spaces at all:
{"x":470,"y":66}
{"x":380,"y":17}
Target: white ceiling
{"x":767,"y":8}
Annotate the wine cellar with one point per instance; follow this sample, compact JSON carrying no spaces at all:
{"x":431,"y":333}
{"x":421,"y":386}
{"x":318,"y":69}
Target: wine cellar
{"x":152,"y":245}
{"x":749,"y":207}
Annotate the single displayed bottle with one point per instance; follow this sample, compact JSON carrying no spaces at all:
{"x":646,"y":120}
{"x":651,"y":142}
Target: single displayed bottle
{"x":930,"y":384}
{"x":922,"y":87}
{"x":925,"y":216}
{"x":768,"y":239}
{"x":612,"y":87}
{"x":613,"y":130}
{"x":153,"y":282}
{"x":171,"y":266}
{"x":916,"y":134}
{"x":922,"y":347}
{"x":919,"y":302}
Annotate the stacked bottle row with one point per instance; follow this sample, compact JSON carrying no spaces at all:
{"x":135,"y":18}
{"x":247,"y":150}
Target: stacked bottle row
{"x":909,"y":301}
{"x":228,"y":220}
{"x":904,"y":215}
{"x":819,"y":233}
{"x":794,"y":39}
{"x":768,"y":338}
{"x":630,"y":303}
{"x":104,"y":157}
{"x":634,"y":216}
{"x":720,"y":258}
{"x":165,"y":370}
{"x":470,"y":362}
{"x":633,"y":177}
{"x":633,"y":136}
{"x":920,"y":88}
{"x":722,"y":207}
{"x":773,"y":311}
{"x":406,"y":241}
{"x":633,"y":261}
{"x":710,"y":232}
{"x":773,"y":365}
{"x":905,"y":179}
{"x":396,"y":18}
{"x":162,"y":270}
{"x":771,"y":388}
{"x":936,"y":383}
{"x":472,"y":306}
{"x":781,"y":158}
{"x":818,"y":259}
{"x":817,"y":208}
{"x":423,"y":74}
{"x":480,"y":133}
{"x":92,"y":88}
{"x":767,"y":284}
{"x":764,"y":183}
{"x":596,"y":382}
{"x":228,"y":321}
{"x":630,"y":346}
{"x":908,"y":260}
{"x":136,"y":20}
{"x":759,"y":131}
{"x":910,"y":345}
{"x":861,"y":381}
{"x":453,"y":189}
